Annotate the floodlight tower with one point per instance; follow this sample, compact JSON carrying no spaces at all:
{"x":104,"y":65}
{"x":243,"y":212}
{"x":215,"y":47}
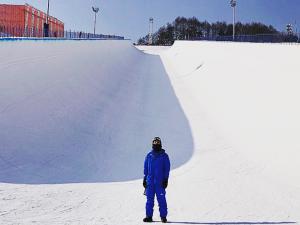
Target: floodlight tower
{"x":95,"y":10}
{"x":150,"y":41}
{"x":233,"y":5}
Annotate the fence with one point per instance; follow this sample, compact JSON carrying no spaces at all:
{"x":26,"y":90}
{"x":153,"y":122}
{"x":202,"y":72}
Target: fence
{"x":19,"y":32}
{"x":83,"y":35}
{"x":259,"y":38}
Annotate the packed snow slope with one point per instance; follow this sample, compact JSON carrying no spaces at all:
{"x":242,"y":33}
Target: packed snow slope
{"x":250,"y":93}
{"x":228,"y":115}
{"x":86,"y":111}
{"x":242,"y":101}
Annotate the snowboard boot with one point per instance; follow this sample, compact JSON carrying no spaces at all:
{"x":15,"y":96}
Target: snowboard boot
{"x":164,"y":219}
{"x":148,"y":220}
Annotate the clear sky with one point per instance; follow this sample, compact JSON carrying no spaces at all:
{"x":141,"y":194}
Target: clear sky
{"x":129,"y":18}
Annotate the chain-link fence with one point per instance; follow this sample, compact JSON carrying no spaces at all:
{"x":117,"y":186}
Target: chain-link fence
{"x":19,"y":32}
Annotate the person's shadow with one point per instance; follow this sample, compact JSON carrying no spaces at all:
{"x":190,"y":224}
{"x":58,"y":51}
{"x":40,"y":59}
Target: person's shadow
{"x":232,"y":223}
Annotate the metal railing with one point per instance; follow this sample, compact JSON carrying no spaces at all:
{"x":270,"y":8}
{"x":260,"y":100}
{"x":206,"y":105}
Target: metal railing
{"x":19,"y":32}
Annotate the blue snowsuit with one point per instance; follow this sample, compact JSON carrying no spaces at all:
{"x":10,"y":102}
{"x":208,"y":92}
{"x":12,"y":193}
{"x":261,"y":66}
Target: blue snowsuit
{"x":156,"y":171}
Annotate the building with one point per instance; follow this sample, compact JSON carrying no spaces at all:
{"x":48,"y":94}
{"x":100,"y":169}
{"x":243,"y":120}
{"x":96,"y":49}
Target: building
{"x":27,"y":21}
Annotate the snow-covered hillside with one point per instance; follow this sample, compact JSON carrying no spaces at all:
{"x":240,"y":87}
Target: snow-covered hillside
{"x":77,"y":119}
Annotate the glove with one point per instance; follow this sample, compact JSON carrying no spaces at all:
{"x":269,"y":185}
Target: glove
{"x":145,"y":182}
{"x":165,"y":184}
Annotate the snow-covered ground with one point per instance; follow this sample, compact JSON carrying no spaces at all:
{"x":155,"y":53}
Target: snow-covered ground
{"x":77,"y":119}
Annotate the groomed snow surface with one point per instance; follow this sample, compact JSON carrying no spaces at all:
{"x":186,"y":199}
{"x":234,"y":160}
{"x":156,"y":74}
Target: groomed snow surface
{"x":77,"y":119}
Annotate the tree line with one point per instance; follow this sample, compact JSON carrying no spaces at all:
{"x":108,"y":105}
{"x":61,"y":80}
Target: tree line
{"x":192,"y":29}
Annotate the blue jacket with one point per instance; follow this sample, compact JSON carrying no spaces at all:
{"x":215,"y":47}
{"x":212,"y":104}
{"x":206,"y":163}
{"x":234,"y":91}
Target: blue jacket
{"x":156,"y":167}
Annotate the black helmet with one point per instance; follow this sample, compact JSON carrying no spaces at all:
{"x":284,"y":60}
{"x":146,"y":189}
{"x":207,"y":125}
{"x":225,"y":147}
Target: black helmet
{"x":156,"y":144}
{"x":156,"y":141}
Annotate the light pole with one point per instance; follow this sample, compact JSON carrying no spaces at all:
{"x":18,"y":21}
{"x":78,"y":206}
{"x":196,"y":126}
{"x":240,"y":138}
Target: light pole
{"x":150,"y":41}
{"x":95,"y":10}
{"x":233,"y":5}
{"x":47,"y":19}
{"x":46,"y":25}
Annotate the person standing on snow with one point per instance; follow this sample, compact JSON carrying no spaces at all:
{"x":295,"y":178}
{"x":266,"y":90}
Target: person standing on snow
{"x":156,"y":175}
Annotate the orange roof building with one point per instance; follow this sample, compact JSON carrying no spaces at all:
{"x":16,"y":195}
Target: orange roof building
{"x":27,"y":21}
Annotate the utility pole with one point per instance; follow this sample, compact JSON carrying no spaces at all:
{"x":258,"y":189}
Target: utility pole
{"x":233,"y":5}
{"x":95,"y":10}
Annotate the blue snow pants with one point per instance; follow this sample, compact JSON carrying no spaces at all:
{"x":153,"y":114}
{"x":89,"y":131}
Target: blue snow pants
{"x":160,"y":193}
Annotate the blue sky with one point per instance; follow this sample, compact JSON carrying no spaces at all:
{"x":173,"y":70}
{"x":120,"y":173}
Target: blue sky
{"x":130,"y":17}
